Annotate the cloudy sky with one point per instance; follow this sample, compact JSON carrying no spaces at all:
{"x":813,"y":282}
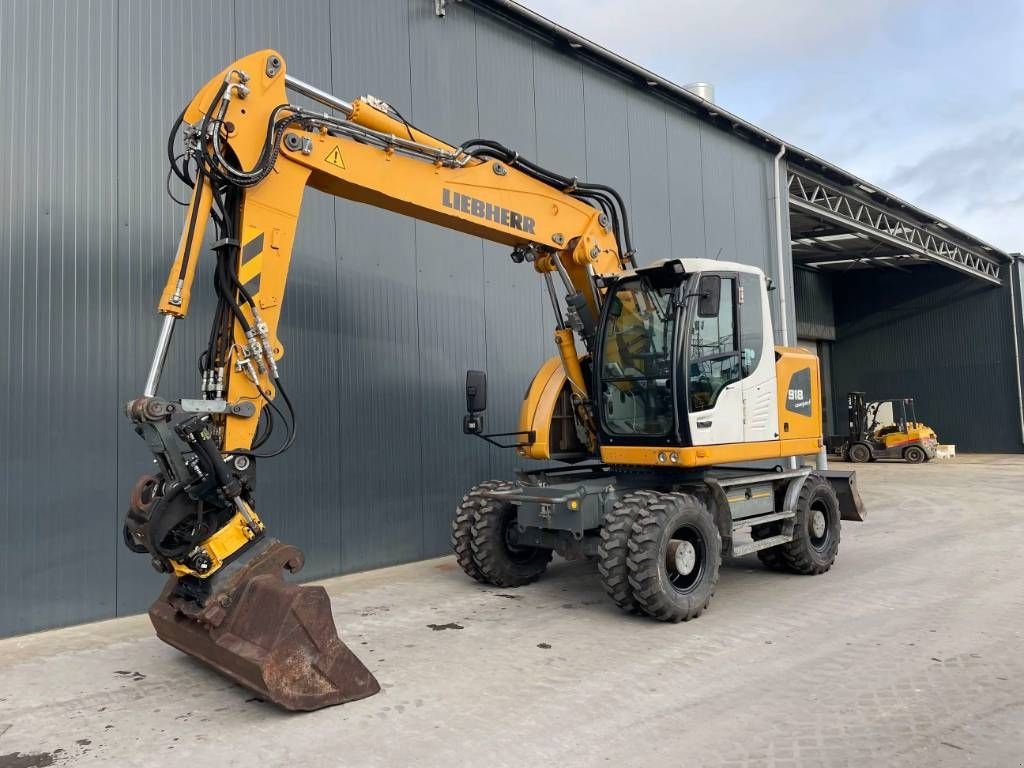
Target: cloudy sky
{"x":923,"y":97}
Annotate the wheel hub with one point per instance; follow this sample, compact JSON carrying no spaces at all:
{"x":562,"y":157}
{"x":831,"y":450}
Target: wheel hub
{"x":818,"y":524}
{"x":682,"y":556}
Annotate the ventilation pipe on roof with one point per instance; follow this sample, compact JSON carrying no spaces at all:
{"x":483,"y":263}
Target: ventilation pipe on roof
{"x":705,"y":91}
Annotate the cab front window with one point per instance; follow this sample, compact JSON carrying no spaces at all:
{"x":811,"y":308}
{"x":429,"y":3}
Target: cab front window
{"x":636,"y":360}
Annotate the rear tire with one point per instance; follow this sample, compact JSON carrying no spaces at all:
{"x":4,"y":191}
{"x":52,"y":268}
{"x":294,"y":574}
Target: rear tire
{"x":914,"y":454}
{"x":462,"y":526}
{"x":858,"y":453}
{"x":770,"y":558}
{"x":613,"y":550}
{"x":499,"y":561}
{"x":816,"y":529}
{"x":675,"y":552}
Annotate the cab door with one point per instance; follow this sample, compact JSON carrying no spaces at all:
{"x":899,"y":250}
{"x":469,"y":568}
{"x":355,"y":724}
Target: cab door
{"x":713,"y":364}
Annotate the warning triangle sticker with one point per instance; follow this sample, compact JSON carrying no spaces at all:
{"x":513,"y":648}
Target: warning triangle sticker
{"x":334,"y":157}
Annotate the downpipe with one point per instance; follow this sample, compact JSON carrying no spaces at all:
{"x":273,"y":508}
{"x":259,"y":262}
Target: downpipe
{"x":821,"y":460}
{"x":1015,"y":259}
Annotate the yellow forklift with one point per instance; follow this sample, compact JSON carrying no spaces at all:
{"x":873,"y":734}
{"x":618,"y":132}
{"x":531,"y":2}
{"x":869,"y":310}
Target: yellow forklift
{"x":884,"y":429}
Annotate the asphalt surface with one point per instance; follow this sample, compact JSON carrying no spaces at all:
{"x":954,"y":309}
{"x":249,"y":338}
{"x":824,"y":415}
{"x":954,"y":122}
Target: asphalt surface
{"x":908,"y":653}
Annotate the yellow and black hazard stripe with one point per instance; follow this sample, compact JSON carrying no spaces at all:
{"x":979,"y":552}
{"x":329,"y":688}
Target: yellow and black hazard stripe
{"x":251,"y":266}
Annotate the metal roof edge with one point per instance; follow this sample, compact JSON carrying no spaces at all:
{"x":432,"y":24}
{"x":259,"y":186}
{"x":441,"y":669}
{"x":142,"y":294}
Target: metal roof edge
{"x":572,"y":43}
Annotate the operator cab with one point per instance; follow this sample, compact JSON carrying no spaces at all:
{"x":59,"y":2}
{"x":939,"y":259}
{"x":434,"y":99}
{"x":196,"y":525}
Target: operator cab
{"x":685,"y":356}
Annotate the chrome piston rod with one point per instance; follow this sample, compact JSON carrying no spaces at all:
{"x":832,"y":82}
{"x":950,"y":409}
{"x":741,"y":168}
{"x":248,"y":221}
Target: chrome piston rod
{"x":163,"y":343}
{"x":314,"y":93}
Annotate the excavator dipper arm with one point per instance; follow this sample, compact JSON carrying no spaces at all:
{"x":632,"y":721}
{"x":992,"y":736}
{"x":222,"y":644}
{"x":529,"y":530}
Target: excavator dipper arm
{"x":250,"y":153}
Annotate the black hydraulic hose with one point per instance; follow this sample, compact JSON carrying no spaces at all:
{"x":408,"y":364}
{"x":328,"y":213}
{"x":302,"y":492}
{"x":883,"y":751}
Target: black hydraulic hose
{"x":498,"y":151}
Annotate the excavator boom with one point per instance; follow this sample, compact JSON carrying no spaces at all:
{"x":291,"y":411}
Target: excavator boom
{"x":249,"y":155}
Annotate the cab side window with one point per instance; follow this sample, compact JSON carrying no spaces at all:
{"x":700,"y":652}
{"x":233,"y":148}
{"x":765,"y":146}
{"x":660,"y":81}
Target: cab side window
{"x":751,"y":322}
{"x":714,"y":358}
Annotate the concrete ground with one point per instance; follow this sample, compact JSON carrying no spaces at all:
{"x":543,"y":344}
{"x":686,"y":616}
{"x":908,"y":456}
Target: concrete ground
{"x":908,"y":653}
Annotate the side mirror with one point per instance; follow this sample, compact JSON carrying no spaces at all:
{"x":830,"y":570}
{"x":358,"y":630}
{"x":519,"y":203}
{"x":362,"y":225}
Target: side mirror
{"x":476,"y":391}
{"x":476,"y":402}
{"x":709,"y":291}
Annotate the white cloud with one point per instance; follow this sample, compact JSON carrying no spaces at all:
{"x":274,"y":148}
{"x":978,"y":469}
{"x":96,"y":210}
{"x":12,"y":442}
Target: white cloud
{"x":925,"y":98}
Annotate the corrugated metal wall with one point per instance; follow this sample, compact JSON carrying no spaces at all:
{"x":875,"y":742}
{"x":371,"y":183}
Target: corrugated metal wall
{"x":383,"y":315}
{"x":938,"y":337}
{"x":815,"y":311}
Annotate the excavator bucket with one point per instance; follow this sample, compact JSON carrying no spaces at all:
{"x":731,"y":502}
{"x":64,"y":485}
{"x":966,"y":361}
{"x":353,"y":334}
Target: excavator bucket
{"x":273,"y":637}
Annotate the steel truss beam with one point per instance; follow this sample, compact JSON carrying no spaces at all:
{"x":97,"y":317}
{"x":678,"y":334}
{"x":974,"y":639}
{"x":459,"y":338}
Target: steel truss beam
{"x":813,"y":196}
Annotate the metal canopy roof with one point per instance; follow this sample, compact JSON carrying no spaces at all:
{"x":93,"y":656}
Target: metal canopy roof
{"x":880,"y":228}
{"x":832,"y":228}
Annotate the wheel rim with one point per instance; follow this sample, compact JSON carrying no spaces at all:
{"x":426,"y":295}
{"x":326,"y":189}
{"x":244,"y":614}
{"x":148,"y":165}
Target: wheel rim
{"x":686,"y":559}
{"x":820,"y":530}
{"x":516,"y":553}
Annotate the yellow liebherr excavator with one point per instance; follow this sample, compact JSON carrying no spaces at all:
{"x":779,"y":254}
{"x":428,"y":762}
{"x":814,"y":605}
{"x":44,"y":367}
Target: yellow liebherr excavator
{"x":678,"y":376}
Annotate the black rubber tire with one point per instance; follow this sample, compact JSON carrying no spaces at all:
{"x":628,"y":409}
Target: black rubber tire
{"x":770,"y":558}
{"x":914,"y":454}
{"x":613,"y":549}
{"x":498,"y":562}
{"x":858,"y":453}
{"x":807,"y":554}
{"x":462,"y":526}
{"x":649,"y":575}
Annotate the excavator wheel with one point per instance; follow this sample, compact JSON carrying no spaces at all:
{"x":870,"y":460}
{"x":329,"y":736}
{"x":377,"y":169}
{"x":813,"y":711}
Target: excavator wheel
{"x":500,"y":560}
{"x":770,"y":558}
{"x":675,"y":552}
{"x":816,"y":530}
{"x":613,"y":551}
{"x":462,"y":526}
{"x":858,"y":453}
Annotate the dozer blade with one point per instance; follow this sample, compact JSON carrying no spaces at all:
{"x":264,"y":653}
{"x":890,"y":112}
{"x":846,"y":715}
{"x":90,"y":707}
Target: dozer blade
{"x":274,"y":637}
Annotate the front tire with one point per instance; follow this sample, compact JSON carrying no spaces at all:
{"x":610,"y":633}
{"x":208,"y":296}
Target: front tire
{"x":462,"y":526}
{"x":499,"y":560}
{"x":675,"y":552}
{"x":914,"y":454}
{"x":613,"y":551}
{"x":816,"y":529}
{"x":858,"y":453}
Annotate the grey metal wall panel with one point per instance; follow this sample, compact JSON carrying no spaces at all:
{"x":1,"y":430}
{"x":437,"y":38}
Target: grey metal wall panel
{"x":292,"y":494}
{"x":686,"y":188}
{"x":751,"y":183}
{"x":380,"y":509}
{"x":717,"y":183}
{"x":517,"y":341}
{"x":149,"y":226}
{"x":383,"y":315}
{"x":561,"y":134}
{"x":938,"y":337}
{"x":815,"y":310}
{"x":450,"y":269}
{"x":607,"y":131}
{"x":58,"y":353}
{"x":648,"y":178}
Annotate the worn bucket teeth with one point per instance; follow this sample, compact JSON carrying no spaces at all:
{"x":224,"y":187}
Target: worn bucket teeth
{"x":276,"y":638}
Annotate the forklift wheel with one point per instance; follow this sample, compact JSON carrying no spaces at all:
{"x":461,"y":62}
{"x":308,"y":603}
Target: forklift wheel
{"x":858,"y":453}
{"x":675,"y":552}
{"x":914,"y":454}
{"x":500,"y":560}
